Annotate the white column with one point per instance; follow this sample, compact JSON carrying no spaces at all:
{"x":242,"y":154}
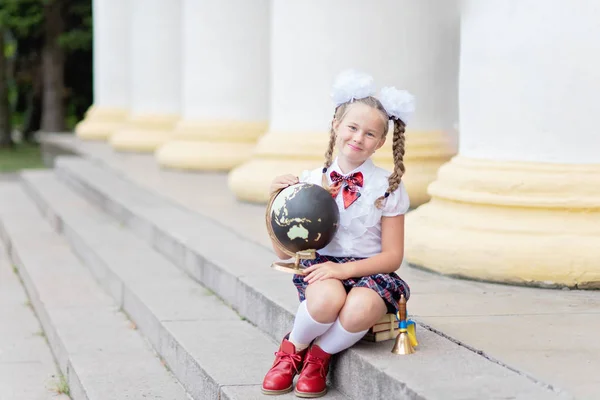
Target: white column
{"x":546,"y":86}
{"x":112,"y":87}
{"x":521,"y":201}
{"x":155,"y":75}
{"x":411,"y":45}
{"x":225,"y":84}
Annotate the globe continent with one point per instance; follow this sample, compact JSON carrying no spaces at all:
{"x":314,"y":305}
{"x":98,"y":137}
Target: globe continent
{"x":304,"y":216}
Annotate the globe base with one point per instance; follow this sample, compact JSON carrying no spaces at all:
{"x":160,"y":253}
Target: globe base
{"x":291,"y":268}
{"x":294,"y":267}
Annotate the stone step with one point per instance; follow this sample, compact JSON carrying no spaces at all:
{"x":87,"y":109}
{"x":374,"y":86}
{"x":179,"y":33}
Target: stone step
{"x":27,"y":368}
{"x":94,"y":344}
{"x":212,"y":351}
{"x":237,"y":270}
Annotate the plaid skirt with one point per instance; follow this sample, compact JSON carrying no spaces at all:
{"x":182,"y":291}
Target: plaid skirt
{"x":388,"y":286}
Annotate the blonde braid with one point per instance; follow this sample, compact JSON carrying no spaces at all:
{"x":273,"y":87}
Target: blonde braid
{"x":398,"y":150}
{"x":328,"y":156}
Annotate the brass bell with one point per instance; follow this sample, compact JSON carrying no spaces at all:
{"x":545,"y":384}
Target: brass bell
{"x":403,"y":344}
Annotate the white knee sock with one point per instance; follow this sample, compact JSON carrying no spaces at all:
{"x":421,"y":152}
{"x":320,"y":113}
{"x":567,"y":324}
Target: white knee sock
{"x":337,"y":338}
{"x":306,"y":328}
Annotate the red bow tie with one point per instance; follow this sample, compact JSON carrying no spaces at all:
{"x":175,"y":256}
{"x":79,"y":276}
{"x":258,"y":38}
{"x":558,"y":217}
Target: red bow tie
{"x":351,"y":184}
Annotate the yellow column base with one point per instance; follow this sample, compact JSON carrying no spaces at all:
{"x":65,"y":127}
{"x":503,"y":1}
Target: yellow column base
{"x":210,"y":145}
{"x":144,"y":133}
{"x":276,"y":154}
{"x":520,"y":223}
{"x":101,"y":122}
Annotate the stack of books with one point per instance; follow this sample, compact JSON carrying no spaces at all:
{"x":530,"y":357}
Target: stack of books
{"x":385,"y":329}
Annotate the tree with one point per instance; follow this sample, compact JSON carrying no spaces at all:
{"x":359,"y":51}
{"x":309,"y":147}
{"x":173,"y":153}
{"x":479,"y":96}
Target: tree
{"x":5,"y":125}
{"x":21,"y":20}
{"x":52,"y":84}
{"x":53,"y":64}
{"x":67,"y":37}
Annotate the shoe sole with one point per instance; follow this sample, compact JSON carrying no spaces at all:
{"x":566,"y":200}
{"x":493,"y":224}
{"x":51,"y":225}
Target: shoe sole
{"x":276,"y":392}
{"x":310,"y":395}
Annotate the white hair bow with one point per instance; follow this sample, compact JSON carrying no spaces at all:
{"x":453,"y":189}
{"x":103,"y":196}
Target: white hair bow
{"x":398,"y":103}
{"x":350,"y":85}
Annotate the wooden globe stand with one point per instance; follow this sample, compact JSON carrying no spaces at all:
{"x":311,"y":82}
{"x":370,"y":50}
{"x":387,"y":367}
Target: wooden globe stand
{"x":294,"y":268}
{"x":289,"y":267}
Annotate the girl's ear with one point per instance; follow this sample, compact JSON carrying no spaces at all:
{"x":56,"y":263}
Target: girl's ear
{"x":381,"y":142}
{"x":383,"y":137}
{"x":335,"y":125}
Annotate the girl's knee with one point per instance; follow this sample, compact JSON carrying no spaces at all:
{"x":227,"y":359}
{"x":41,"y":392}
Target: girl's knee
{"x":325,"y":301}
{"x":363,"y":307}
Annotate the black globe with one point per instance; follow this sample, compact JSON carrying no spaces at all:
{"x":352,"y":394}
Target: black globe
{"x":303,"y":217}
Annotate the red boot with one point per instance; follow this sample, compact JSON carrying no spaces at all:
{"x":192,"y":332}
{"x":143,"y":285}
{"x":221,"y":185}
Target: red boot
{"x":287,"y":364}
{"x":313,"y":378}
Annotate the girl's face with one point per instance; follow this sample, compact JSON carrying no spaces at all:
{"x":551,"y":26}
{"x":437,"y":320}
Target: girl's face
{"x":359,"y":133}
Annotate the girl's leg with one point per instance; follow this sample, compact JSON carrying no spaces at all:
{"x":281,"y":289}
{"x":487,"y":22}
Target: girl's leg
{"x":315,"y":315}
{"x":362,"y":309}
{"x":324,"y":300}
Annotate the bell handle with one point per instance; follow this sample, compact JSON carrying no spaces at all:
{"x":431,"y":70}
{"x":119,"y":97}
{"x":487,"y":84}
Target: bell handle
{"x":402,"y":308}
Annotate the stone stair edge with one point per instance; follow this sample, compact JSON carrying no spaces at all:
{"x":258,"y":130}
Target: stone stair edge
{"x":282,"y":326}
{"x":284,"y":314}
{"x":72,"y":357}
{"x":172,"y":350}
{"x":275,"y":322}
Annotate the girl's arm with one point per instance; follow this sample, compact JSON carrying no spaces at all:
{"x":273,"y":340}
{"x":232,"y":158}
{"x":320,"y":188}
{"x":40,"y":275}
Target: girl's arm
{"x":392,"y":251}
{"x":389,"y":260}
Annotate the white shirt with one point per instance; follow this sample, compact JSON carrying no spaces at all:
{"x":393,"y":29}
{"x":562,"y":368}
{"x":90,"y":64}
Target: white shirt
{"x":359,"y":232}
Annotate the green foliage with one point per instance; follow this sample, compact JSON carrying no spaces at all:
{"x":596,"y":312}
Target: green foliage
{"x":79,"y":21}
{"x":23,"y":23}
{"x":62,"y":386}
{"x":10,"y":49}
{"x":22,"y":17}
{"x":22,"y":156}
{"x":77,"y":39}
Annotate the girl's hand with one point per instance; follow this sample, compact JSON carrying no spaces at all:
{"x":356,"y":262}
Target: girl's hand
{"x":326,"y":270}
{"x":281,"y":182}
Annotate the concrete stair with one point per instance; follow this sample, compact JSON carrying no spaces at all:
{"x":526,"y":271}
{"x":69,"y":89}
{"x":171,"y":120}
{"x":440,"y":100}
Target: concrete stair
{"x":158,"y":260}
{"x":27,"y":368}
{"x":95,"y":346}
{"x":212,"y":351}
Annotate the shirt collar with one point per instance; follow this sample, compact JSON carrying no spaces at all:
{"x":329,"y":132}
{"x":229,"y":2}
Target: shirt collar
{"x":366,"y":168}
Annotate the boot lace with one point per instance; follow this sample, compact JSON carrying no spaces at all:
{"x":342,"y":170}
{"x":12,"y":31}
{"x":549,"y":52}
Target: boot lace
{"x":291,"y":358}
{"x":312,"y":360}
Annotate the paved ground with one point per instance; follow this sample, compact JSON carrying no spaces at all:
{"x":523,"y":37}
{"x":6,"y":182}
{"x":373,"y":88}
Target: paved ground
{"x":549,"y":335}
{"x":27,"y":369}
{"x":6,"y":176}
